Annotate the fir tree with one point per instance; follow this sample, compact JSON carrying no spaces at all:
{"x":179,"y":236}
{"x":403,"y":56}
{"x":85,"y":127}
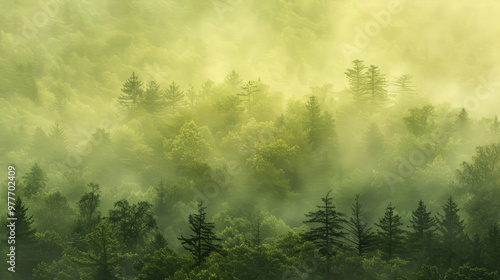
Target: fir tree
{"x":453,"y":240}
{"x":175,"y":98}
{"x":361,"y":237}
{"x":375,"y":85}
{"x":390,"y":234}
{"x":404,"y":84}
{"x":356,"y":78}
{"x":89,"y":217}
{"x":203,"y":241}
{"x":132,"y":92}
{"x":421,"y":235}
{"x":492,"y":243}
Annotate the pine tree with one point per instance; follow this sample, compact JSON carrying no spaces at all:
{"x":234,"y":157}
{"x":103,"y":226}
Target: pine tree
{"x":453,"y":240}
{"x":132,"y":92}
{"x":356,"y":78}
{"x":361,"y":237}
{"x":175,"y":98}
{"x":233,"y":80}
{"x":102,"y":252}
{"x":493,"y":247}
{"x":463,"y":119}
{"x":421,"y":235}
{"x":248,"y":91}
{"x":390,"y":235}
{"x":153,"y":101}
{"x":34,"y":180}
{"x":330,"y":225}
{"x":329,"y":230}
{"x":203,"y":241}
{"x":404,"y":84}
{"x":58,"y":141}
{"x":476,"y":257}
{"x":313,"y":121}
{"x":375,"y":85}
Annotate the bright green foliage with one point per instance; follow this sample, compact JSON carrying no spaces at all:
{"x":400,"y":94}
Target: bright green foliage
{"x":467,"y":273}
{"x":160,"y":264}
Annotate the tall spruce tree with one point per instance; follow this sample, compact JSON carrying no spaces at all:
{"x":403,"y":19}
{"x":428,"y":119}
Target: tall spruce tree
{"x":361,"y":237}
{"x":203,"y":241}
{"x":422,"y":233}
{"x":453,"y":240}
{"x":329,"y":229}
{"x":492,"y":242}
{"x":404,"y":84}
{"x":390,"y":234}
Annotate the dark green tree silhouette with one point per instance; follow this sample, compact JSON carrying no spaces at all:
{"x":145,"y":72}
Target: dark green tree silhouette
{"x":422,"y":233}
{"x":390,"y":235}
{"x":467,"y":273}
{"x":133,"y":223}
{"x":361,"y":236}
{"x":203,"y":241}
{"x":34,"y":181}
{"x":103,"y":252}
{"x":453,"y":240}
{"x":477,"y":253}
{"x":89,"y":217}
{"x":492,"y":243}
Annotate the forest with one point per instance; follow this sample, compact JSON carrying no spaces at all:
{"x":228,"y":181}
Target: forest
{"x":229,"y":139}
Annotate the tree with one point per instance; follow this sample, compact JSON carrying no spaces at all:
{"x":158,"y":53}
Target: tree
{"x":159,"y":264}
{"x":404,"y":84}
{"x":467,"y":273}
{"x":463,"y":119}
{"x":153,"y":101}
{"x":320,"y":127}
{"x":495,"y":125}
{"x":248,"y":90}
{"x":102,"y":252}
{"x":390,"y":234}
{"x":476,"y":257}
{"x":132,"y":92}
{"x":89,"y":217}
{"x":375,"y":84}
{"x":203,"y":241}
{"x":329,"y":230}
{"x":57,"y":138}
{"x":132,"y":222}
{"x":428,"y":273}
{"x":361,"y":236}
{"x":493,"y":247}
{"x":35,"y":181}
{"x":453,"y":240}
{"x":233,"y":80}
{"x":418,"y":122}
{"x":422,"y":231}
{"x":175,"y":98}
{"x":356,"y":78}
